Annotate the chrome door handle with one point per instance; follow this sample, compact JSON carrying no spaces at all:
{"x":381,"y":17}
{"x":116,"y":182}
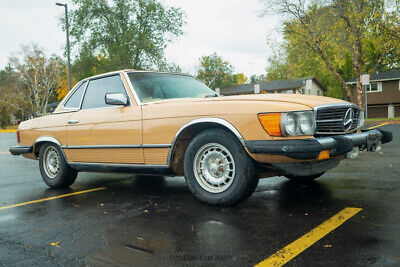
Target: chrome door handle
{"x":73,"y":122}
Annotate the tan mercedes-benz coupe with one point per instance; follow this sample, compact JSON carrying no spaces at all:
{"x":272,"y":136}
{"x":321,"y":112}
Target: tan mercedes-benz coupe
{"x":172,"y":124}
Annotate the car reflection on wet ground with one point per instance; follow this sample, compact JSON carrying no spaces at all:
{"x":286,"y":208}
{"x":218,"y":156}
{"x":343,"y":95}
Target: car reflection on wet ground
{"x":149,"y":220}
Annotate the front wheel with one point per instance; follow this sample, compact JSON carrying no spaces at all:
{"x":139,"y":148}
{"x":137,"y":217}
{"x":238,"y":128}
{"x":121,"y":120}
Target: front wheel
{"x":218,"y":170}
{"x":55,"y":171}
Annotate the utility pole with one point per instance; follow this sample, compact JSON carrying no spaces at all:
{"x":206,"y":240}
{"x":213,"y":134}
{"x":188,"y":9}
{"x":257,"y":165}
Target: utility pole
{"x":68,"y":49}
{"x":365,"y":82}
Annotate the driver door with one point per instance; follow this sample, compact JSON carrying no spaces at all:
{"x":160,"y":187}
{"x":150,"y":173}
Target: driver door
{"x":102,"y":133}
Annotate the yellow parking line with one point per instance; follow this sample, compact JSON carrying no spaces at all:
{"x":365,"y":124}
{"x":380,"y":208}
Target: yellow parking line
{"x":295,"y":248}
{"x":4,"y":152}
{"x":51,"y":198}
{"x":8,"y":131}
{"x":382,"y":124}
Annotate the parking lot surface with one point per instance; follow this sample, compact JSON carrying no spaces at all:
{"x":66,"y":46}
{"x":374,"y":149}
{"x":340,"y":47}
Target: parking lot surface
{"x":114,"y":219}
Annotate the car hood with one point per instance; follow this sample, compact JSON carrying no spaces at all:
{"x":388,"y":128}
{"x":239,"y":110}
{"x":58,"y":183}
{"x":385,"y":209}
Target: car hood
{"x":310,"y":101}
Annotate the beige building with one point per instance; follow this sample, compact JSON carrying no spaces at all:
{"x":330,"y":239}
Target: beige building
{"x":307,"y":86}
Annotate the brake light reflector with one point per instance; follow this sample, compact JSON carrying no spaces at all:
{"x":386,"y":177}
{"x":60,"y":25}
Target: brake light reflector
{"x":18,"y":138}
{"x":271,"y":122}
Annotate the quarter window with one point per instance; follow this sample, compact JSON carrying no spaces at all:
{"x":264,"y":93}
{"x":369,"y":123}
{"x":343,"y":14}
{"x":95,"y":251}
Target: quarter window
{"x":75,"y":100}
{"x":97,"y":90}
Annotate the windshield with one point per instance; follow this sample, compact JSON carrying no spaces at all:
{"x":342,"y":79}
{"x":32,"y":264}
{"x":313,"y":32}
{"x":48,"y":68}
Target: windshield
{"x":151,"y":86}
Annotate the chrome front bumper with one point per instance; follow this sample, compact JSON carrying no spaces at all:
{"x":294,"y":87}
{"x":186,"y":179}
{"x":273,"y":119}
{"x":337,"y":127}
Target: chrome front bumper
{"x":307,"y":149}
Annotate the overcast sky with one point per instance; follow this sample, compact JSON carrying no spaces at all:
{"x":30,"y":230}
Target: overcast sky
{"x":232,"y":28}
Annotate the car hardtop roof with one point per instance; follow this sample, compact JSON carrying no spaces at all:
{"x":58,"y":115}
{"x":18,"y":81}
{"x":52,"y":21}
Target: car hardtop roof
{"x":130,"y":70}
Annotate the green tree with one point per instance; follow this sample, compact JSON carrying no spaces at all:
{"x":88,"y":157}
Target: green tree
{"x":258,"y":78}
{"x":119,"y":34}
{"x":29,"y":82}
{"x":345,"y":37}
{"x":216,"y":72}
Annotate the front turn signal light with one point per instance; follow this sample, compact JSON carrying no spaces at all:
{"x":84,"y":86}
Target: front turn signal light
{"x":271,"y":122}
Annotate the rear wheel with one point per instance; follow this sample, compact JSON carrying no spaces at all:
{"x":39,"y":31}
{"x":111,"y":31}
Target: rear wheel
{"x":304,"y":179}
{"x":55,"y":171}
{"x":218,"y":170}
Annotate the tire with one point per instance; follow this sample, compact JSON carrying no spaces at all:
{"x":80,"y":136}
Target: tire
{"x":56,"y":175}
{"x":304,"y":179}
{"x":231,"y":173}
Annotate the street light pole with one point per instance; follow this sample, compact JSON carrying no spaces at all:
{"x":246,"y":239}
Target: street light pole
{"x":68,"y":49}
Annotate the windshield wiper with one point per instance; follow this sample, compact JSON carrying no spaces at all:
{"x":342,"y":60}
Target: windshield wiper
{"x":211,"y":95}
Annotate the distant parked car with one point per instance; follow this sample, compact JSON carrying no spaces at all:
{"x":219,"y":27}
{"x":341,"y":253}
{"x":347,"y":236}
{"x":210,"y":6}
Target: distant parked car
{"x":172,"y":124}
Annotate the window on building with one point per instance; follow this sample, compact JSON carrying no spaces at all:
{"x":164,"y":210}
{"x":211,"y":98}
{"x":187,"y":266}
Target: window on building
{"x":303,"y":91}
{"x":374,"y":87}
{"x":319,"y":92}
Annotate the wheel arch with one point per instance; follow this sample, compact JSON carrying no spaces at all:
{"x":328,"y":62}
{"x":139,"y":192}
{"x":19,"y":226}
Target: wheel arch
{"x":45,"y":139}
{"x":186,"y":133}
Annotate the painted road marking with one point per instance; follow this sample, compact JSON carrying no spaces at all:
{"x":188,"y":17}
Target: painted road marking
{"x":51,"y":198}
{"x":382,"y":124}
{"x":8,"y":131}
{"x":4,"y":152}
{"x":284,"y":255}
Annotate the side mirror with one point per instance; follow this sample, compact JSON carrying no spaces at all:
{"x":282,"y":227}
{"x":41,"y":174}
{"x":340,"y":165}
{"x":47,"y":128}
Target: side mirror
{"x":116,"y":99}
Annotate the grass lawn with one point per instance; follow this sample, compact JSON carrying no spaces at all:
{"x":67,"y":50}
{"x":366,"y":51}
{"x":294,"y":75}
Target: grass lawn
{"x":382,"y":119}
{"x":10,"y":127}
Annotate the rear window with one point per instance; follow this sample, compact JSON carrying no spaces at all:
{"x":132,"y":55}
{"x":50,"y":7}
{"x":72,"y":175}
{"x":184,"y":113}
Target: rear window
{"x":75,"y":100}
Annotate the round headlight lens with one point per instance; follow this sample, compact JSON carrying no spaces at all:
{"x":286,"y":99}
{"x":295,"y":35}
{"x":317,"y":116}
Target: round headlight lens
{"x":290,"y":123}
{"x":306,"y":124}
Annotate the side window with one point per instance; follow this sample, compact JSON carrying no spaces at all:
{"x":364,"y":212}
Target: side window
{"x":97,"y":90}
{"x":75,"y":100}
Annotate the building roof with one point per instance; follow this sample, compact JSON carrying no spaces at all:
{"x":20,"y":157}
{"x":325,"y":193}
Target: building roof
{"x":270,"y":86}
{"x":382,"y":76}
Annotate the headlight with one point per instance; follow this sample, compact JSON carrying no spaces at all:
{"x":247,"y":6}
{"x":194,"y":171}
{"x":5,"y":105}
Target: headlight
{"x":306,"y":123}
{"x":288,"y":124}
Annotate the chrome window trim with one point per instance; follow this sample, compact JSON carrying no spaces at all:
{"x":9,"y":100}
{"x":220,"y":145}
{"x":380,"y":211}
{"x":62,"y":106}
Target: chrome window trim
{"x":139,"y":102}
{"x":101,"y":77}
{"x":80,"y":102}
{"x":339,"y":105}
{"x":69,"y":95}
{"x":128,"y":80}
{"x":202,"y":120}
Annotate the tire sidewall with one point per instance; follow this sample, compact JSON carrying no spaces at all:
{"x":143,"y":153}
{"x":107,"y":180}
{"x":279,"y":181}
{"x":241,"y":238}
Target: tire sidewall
{"x":243,"y":167}
{"x":61,"y":178}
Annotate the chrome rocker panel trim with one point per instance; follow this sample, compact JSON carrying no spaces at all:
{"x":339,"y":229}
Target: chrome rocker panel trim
{"x":122,"y":168}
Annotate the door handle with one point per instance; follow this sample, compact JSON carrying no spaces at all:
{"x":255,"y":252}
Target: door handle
{"x":73,"y":122}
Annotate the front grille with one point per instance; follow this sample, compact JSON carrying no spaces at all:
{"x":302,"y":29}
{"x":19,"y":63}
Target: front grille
{"x":329,"y":120}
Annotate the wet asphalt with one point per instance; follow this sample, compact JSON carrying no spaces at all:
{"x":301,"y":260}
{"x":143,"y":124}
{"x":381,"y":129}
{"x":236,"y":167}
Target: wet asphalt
{"x":149,"y":220}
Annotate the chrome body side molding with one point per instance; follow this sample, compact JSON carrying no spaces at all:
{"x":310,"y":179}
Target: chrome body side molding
{"x":118,"y":146}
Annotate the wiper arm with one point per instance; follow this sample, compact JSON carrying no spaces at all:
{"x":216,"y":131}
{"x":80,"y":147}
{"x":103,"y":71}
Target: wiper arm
{"x":211,"y":95}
